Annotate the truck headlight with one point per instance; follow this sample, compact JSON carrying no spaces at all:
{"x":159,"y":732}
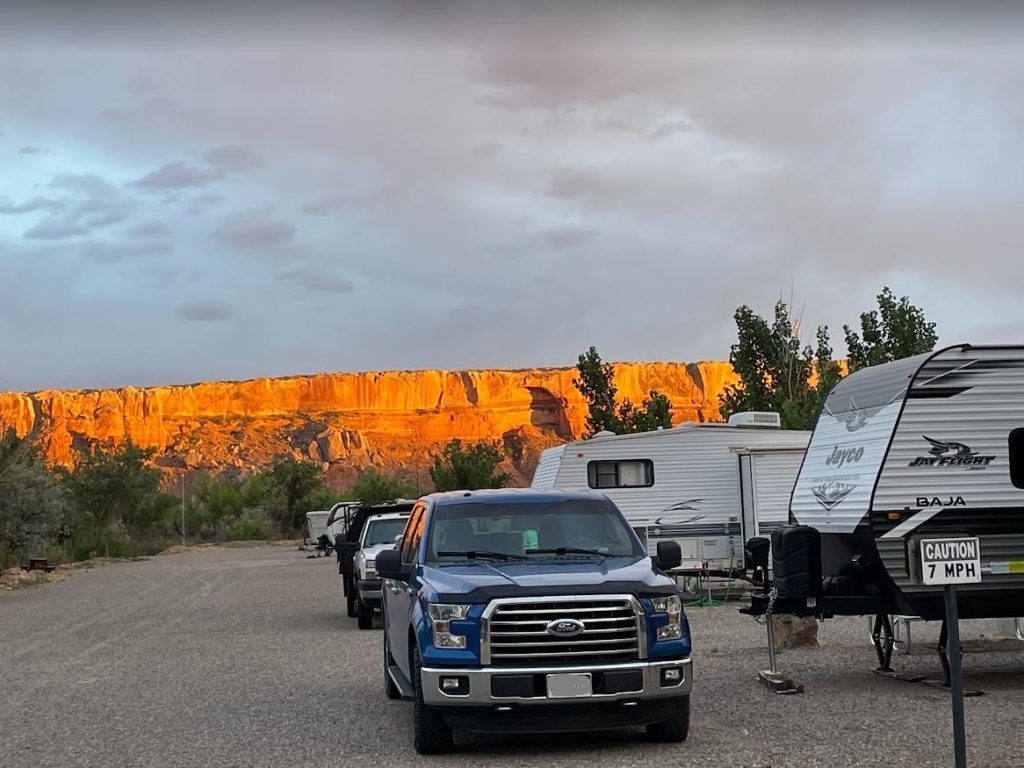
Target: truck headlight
{"x":370,"y":569}
{"x":672,"y":606}
{"x":440,"y":615}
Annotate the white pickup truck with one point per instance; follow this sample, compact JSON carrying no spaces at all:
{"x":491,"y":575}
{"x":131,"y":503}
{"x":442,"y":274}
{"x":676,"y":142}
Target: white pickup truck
{"x":379,"y":533}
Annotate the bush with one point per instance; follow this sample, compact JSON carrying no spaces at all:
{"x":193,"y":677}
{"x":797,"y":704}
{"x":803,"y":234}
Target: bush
{"x":249,"y":530}
{"x":374,"y":487}
{"x":468,"y":467}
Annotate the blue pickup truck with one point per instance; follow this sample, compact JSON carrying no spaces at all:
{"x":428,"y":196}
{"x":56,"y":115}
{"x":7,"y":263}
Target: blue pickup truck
{"x":532,"y":611}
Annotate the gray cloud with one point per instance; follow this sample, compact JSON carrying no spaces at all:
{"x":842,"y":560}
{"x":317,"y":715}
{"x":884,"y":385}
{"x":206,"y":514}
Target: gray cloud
{"x":203,"y":203}
{"x":329,"y":203}
{"x":204,"y":311}
{"x":683,"y":163}
{"x":35,"y":204}
{"x":32,"y":150}
{"x":53,"y":229}
{"x":567,"y":237}
{"x":323,"y":206}
{"x":112,"y":253}
{"x":90,"y":203}
{"x":88,"y":184}
{"x":234,"y":159}
{"x":487,"y":150}
{"x":570,"y":182}
{"x":116,"y":115}
{"x":315,"y":279}
{"x":148,"y":229}
{"x":255,"y":229}
{"x":665,"y":130}
{"x":178,"y":175}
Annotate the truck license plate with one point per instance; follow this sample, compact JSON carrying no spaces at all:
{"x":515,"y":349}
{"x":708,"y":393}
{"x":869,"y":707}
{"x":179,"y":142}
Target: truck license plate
{"x":570,"y":685}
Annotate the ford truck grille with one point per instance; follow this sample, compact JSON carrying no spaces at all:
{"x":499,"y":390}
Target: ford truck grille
{"x":517,"y":631}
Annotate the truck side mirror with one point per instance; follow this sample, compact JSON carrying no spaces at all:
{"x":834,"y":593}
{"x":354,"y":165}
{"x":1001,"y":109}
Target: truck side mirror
{"x":669,"y":555}
{"x":390,"y":566}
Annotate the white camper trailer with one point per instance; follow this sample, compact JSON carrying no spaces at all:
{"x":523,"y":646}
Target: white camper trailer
{"x":928,"y":447}
{"x":767,"y":474}
{"x":931,"y":445}
{"x":709,"y":487}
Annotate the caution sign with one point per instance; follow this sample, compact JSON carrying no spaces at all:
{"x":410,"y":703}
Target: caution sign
{"x":950,"y":561}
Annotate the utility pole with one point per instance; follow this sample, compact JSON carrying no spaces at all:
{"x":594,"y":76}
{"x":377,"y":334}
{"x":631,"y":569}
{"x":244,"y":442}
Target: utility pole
{"x":183,"y":508}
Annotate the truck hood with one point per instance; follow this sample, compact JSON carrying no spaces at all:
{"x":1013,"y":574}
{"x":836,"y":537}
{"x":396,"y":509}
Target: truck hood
{"x":370,"y":553}
{"x":478,"y":582}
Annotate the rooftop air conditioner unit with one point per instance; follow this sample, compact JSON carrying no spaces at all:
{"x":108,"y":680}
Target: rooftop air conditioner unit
{"x":756,"y":419}
{"x":604,"y":433}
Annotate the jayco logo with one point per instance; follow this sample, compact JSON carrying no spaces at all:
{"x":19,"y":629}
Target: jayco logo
{"x":841,"y":456}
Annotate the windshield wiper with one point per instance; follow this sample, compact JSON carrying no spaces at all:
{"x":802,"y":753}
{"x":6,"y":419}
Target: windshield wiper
{"x":567,"y":551}
{"x":479,"y":553}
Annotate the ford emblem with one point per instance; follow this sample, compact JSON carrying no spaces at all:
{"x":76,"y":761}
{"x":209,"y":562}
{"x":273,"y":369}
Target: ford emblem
{"x":565,"y":627}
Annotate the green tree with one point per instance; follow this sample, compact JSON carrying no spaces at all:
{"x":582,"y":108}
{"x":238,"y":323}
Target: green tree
{"x":256,"y":491}
{"x":220,"y":503}
{"x":468,"y":467}
{"x":116,"y":492}
{"x":775,"y":371}
{"x":31,"y":502}
{"x":596,"y":382}
{"x":897,"y":329}
{"x":293,"y":485}
{"x":374,"y":487}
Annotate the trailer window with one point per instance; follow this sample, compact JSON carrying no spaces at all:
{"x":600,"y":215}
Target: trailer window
{"x":1017,"y":457}
{"x":631,"y":473}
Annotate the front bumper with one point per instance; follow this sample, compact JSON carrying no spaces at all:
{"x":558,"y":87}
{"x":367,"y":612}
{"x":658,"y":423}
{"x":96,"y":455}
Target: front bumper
{"x":495,"y":686}
{"x":370,"y":591}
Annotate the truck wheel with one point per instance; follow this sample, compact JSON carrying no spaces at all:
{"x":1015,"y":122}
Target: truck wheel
{"x":432,"y":736}
{"x":676,"y":729}
{"x":350,"y":600}
{"x":364,"y":614}
{"x":390,"y":689}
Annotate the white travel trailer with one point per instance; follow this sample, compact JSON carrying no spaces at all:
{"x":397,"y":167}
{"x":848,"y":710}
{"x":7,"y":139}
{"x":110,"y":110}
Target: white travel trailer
{"x":931,"y":445}
{"x":710,"y":487}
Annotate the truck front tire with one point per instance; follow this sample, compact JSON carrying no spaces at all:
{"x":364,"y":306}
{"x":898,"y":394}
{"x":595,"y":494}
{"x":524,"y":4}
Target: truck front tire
{"x":432,"y":735}
{"x":675,"y":730}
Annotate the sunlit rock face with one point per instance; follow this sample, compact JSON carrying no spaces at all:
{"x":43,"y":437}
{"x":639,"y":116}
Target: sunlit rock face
{"x":395,"y":420}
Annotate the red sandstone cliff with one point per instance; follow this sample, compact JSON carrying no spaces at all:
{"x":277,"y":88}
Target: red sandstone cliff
{"x":347,"y":421}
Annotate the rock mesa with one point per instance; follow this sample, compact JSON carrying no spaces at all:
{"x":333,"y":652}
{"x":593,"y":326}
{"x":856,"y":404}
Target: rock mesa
{"x":346,"y":421}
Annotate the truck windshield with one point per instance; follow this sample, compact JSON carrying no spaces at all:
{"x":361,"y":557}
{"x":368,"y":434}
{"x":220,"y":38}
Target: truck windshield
{"x":383,"y":531}
{"x":519,"y":531}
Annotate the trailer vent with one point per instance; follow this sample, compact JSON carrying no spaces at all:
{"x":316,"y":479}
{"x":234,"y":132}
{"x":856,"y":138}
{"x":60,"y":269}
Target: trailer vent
{"x":517,"y":633}
{"x":756,"y":419}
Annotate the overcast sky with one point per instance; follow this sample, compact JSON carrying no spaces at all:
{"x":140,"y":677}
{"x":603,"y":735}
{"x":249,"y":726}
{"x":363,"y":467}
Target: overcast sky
{"x":221,"y":195}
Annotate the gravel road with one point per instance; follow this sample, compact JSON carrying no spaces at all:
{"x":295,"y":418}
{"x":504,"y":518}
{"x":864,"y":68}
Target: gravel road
{"x":242,"y":657}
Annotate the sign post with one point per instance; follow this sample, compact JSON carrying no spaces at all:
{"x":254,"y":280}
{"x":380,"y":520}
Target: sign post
{"x":950,"y":562}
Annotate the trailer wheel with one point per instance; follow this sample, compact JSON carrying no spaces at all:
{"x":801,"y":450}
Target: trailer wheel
{"x":676,"y":729}
{"x":432,"y":735}
{"x":364,"y":615}
{"x":390,"y":689}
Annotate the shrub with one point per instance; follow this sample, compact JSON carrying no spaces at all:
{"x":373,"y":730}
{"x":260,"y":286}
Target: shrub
{"x":249,"y":530}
